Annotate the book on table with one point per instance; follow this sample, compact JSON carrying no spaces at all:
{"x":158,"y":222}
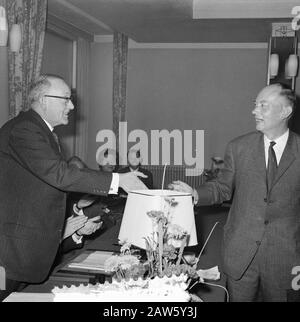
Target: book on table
{"x":90,"y":260}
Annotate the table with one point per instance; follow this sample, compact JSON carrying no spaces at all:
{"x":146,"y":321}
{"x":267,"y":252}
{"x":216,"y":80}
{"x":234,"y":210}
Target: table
{"x":108,"y":241}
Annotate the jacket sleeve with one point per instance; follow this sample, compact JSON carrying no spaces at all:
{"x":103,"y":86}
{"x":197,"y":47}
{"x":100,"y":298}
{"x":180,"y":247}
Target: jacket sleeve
{"x":30,"y":146}
{"x":68,"y":244}
{"x":220,"y":189}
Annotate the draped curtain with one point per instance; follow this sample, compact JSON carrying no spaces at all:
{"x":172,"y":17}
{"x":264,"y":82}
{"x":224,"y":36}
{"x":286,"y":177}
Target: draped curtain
{"x":120,"y":51}
{"x":25,"y":65}
{"x":83,"y":93}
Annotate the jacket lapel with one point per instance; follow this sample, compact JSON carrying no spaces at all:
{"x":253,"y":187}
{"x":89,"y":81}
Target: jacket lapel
{"x":44,"y":126}
{"x":258,"y":157}
{"x":288,"y":156}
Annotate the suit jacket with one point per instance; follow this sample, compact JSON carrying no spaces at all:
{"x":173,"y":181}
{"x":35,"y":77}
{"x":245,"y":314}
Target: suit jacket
{"x":255,"y":216}
{"x":33,"y":180}
{"x":147,"y":181}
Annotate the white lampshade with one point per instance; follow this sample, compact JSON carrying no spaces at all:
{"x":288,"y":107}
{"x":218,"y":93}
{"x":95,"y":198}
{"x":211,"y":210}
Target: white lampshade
{"x":3,"y":27}
{"x":273,"y":65}
{"x":15,"y":38}
{"x":137,"y":225}
{"x":291,"y":66}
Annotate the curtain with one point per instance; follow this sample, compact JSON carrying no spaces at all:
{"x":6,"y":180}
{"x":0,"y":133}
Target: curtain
{"x":120,"y":51}
{"x":25,"y":65}
{"x":83,"y":93}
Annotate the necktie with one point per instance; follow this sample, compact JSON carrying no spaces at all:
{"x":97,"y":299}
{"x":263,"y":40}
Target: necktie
{"x":56,"y":140}
{"x":272,"y":165}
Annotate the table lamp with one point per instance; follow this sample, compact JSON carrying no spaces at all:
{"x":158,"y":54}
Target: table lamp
{"x":137,"y":225}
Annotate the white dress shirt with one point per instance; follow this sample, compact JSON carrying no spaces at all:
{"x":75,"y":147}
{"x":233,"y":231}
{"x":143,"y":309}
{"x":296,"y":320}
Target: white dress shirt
{"x":77,"y":239}
{"x":278,"y":147}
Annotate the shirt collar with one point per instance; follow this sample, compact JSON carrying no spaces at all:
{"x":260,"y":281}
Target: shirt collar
{"x":134,"y":170}
{"x":49,"y":125}
{"x":280,"y":141}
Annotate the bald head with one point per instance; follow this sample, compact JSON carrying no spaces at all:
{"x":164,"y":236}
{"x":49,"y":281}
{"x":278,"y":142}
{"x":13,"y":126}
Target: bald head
{"x":50,"y":97}
{"x":40,"y":87}
{"x":273,"y":108}
{"x":285,"y":94}
{"x":134,"y":158}
{"x":107,"y":160}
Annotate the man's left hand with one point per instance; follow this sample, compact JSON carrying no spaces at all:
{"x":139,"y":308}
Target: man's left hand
{"x":90,"y":226}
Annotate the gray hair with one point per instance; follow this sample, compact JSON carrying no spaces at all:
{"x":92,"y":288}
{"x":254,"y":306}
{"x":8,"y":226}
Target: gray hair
{"x":288,"y":94}
{"x":39,"y":87}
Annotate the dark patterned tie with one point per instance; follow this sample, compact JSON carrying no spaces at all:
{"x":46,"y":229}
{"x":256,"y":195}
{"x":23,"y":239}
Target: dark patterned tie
{"x":272,"y":165}
{"x":56,"y":140}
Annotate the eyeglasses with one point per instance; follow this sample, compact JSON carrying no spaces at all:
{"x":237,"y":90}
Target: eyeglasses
{"x":68,"y":99}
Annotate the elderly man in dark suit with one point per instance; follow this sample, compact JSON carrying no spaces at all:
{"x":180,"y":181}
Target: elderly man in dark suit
{"x":34,"y":179}
{"x":261,"y":242}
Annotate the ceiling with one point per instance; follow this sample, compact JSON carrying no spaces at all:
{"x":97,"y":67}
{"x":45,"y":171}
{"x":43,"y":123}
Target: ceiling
{"x":176,"y":21}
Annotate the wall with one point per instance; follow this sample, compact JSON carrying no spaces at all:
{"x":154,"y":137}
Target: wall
{"x":187,"y":89}
{"x":57,"y":56}
{"x":58,"y":60}
{"x":100,"y":116}
{"x":3,"y":86}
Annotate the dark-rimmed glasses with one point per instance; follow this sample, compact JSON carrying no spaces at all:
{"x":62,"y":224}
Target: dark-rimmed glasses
{"x":68,"y":99}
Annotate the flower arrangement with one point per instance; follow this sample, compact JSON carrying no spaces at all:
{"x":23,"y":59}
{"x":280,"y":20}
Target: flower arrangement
{"x":164,"y":255}
{"x":164,"y":251}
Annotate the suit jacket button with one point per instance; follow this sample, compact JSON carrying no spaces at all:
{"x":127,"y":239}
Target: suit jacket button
{"x":266,"y":222}
{"x":265,"y":199}
{"x":258,"y":243}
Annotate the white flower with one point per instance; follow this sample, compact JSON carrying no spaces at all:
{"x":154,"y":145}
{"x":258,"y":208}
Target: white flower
{"x":125,"y":248}
{"x":111,"y":264}
{"x":123,"y":262}
{"x":175,"y":231}
{"x":128,"y":261}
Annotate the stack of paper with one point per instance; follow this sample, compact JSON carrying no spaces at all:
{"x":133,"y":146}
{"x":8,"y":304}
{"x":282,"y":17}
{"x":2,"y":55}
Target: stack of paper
{"x":93,"y":261}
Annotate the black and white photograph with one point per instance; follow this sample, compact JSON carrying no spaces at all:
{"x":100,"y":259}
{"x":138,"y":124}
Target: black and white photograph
{"x":149,"y":154}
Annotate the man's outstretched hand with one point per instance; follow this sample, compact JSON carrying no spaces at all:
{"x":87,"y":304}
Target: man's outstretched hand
{"x":183,"y":187}
{"x":129,"y":181}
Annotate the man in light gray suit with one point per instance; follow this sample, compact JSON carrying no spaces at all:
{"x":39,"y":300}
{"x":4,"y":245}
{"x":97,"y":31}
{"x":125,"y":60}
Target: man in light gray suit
{"x":261,"y":242}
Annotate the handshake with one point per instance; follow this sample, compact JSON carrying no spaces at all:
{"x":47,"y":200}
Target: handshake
{"x":127,"y":181}
{"x":183,"y":187}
